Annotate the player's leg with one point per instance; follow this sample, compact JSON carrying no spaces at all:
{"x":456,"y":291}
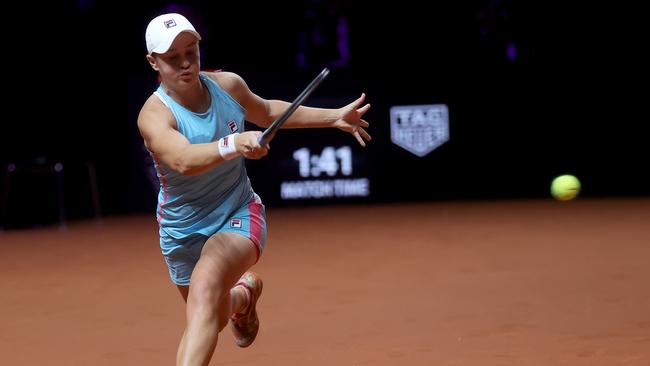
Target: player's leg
{"x":224,"y":258}
{"x":240,"y":300}
{"x":244,"y":321}
{"x":239,"y":297}
{"x":248,"y":221}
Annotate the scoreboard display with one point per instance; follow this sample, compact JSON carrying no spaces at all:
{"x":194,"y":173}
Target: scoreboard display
{"x":311,"y":165}
{"x":323,"y":173}
{"x":329,"y":166}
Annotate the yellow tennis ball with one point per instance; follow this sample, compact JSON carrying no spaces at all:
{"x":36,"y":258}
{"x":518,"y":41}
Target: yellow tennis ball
{"x":565,"y":187}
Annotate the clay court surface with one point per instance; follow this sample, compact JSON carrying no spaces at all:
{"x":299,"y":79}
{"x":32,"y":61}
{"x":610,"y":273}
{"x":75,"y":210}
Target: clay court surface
{"x":446,"y":283}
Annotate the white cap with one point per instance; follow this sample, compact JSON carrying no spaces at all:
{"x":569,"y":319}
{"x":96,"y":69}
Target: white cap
{"x":163,"y":30}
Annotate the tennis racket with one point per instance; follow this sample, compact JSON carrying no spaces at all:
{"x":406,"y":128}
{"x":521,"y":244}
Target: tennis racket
{"x":268,"y":134}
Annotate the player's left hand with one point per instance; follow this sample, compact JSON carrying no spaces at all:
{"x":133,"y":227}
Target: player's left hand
{"x":350,"y":120}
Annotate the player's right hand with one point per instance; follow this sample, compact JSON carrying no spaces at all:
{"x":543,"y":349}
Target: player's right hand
{"x":247,"y":144}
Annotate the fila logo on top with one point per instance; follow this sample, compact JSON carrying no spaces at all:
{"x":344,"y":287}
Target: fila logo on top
{"x":419,"y":128}
{"x":233,"y":126}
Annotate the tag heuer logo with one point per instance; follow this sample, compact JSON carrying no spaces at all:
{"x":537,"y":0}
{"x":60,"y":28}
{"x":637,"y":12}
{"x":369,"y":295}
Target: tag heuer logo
{"x":419,"y":128}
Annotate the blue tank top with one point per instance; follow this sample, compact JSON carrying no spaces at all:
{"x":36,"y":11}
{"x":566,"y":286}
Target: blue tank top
{"x":202,"y":204}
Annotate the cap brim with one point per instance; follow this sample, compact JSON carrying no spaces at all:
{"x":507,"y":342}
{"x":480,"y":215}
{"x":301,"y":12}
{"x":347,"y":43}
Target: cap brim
{"x":164,"y":46}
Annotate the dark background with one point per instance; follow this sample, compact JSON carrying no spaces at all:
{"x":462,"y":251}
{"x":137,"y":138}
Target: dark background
{"x":571,"y":101}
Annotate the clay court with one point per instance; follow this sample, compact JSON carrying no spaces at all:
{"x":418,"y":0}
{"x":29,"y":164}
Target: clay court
{"x":523,"y":282}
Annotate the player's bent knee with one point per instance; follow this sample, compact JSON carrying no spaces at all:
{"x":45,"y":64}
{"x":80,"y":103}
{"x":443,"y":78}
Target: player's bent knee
{"x":206,"y":293}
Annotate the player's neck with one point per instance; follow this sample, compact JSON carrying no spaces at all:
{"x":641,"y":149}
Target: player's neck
{"x":194,"y":97}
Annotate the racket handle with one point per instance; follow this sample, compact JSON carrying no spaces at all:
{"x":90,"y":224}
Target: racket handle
{"x":264,"y":139}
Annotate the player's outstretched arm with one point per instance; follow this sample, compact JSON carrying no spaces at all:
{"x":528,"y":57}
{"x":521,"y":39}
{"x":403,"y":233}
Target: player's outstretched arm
{"x":352,"y":121}
{"x":263,"y":112}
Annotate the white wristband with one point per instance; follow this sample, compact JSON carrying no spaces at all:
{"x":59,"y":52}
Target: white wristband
{"x":227,"y":148}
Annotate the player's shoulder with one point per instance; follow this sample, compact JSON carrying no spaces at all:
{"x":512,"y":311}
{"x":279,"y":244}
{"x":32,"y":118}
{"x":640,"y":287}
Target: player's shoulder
{"x":154,"y":110}
{"x":153,"y":106}
{"x":229,"y":81}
